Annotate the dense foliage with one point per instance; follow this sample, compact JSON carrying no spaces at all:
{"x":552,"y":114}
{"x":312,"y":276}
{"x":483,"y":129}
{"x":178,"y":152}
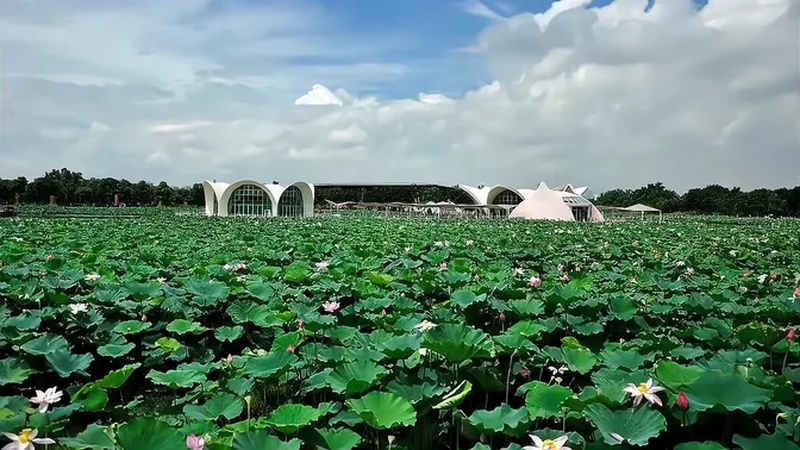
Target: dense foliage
{"x":343,"y":334}
{"x":70,"y":188}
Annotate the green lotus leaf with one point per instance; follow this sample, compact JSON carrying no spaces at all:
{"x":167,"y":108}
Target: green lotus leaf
{"x":291,"y":417}
{"x":168,"y":344}
{"x":459,"y":342}
{"x":284,"y":341}
{"x":261,"y":291}
{"x":178,"y":378}
{"x":543,"y":401}
{"x":629,"y":359}
{"x":635,"y":426}
{"x":727,"y":390}
{"x":580,"y":360}
{"x":149,"y":434}
{"x":341,"y":439}
{"x":240,"y":386}
{"x":272,"y":364}
{"x":229,"y":334}
{"x":131,"y":327}
{"x":261,"y":440}
{"x":611,"y":382}
{"x":115,"y":350}
{"x":244,"y":311}
{"x":383,"y":410}
{"x":527,"y":308}
{"x":379,"y":279}
{"x":401,"y":347}
{"x":465,"y":298}
{"x":676,"y":376}
{"x":91,"y":397}
{"x":206,"y":293}
{"x":766,"y":441}
{"x":94,"y":437}
{"x":44,"y":344}
{"x":183,"y":326}
{"x":223,"y":405}
{"x":66,"y":363}
{"x":501,"y":420}
{"x":355,"y":377}
{"x":22,"y":322}
{"x":622,"y":308}
{"x":454,"y":398}
{"x":117,"y":378}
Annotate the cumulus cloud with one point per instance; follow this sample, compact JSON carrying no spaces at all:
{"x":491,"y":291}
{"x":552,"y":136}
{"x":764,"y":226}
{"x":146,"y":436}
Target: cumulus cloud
{"x":614,"y":96}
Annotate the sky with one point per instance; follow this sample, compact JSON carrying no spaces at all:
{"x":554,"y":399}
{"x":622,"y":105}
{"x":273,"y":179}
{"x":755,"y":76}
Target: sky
{"x":609,"y":94}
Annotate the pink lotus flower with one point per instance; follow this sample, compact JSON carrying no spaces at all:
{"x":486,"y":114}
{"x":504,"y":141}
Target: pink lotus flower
{"x":644,"y":390}
{"x":564,"y":277}
{"x":50,"y":257}
{"x":290,"y":348}
{"x":535,"y":281}
{"x":195,"y":443}
{"x":330,"y":307}
{"x":443,"y":266}
{"x":301,"y":324}
{"x":797,"y":292}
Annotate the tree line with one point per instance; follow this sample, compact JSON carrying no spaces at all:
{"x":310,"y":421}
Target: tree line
{"x":712,"y":199}
{"x":65,"y":187}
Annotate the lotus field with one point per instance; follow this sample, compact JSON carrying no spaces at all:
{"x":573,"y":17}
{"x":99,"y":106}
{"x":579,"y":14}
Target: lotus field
{"x":174,"y":333}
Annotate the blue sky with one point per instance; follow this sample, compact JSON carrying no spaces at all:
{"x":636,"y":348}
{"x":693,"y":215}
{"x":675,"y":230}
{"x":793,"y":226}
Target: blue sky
{"x":184,"y":90}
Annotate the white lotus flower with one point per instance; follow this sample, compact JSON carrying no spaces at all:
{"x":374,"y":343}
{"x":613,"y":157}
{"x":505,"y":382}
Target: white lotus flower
{"x":644,"y":390}
{"x":25,"y":440}
{"x":322,"y":266}
{"x":518,"y":271}
{"x":558,"y":371}
{"x":76,"y":308}
{"x":91,"y":276}
{"x":46,"y":398}
{"x":425,"y":325}
{"x":547,"y":444}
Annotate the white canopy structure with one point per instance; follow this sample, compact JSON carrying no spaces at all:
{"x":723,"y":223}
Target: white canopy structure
{"x":640,"y":208}
{"x":546,"y":204}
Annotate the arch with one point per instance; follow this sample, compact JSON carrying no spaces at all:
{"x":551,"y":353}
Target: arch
{"x":478,"y":195}
{"x":503,"y":195}
{"x":213,"y":192}
{"x":248,"y":199}
{"x":296,"y":200}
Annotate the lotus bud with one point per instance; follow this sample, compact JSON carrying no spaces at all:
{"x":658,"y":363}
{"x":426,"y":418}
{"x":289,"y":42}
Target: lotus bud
{"x":682,"y":401}
{"x":290,"y":348}
{"x":229,"y":359}
{"x":144,"y":317}
{"x":301,"y":324}
{"x":502,"y":317}
{"x":383,"y":312}
{"x":790,"y":335}
{"x":391,"y":439}
{"x":524,"y":372}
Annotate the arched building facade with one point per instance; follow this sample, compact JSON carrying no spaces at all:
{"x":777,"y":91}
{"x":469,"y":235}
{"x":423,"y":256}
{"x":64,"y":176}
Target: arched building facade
{"x":255,"y":199}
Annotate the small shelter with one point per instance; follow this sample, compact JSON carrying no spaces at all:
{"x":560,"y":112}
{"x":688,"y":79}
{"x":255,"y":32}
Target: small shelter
{"x":640,"y":208}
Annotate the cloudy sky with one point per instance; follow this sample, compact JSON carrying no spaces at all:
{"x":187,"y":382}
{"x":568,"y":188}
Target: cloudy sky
{"x":609,"y":94}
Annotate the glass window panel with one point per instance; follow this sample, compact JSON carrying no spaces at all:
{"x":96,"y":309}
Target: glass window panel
{"x":249,"y":200}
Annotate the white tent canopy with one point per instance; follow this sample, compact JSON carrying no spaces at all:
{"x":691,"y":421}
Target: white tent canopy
{"x":640,"y":208}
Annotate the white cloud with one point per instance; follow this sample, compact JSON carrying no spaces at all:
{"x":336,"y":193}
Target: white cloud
{"x":608,"y":97}
{"x":319,"y":95}
{"x":480,"y":9}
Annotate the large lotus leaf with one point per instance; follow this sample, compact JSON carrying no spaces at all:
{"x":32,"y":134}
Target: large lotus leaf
{"x":22,"y":322}
{"x":629,"y":359}
{"x":341,"y":439}
{"x":244,"y":311}
{"x":66,"y":363}
{"x":527,"y":328}
{"x":131,"y":327}
{"x":527,"y":308}
{"x":291,"y":417}
{"x":636,"y":426}
{"x":622,"y":307}
{"x":728,"y":390}
{"x":90,"y":397}
{"x":543,"y":401}
{"x":206,"y":293}
{"x":44,"y":344}
{"x":699,"y":446}
{"x":228,"y":333}
{"x":415,"y":392}
{"x":183,"y":326}
{"x":149,"y":434}
{"x":116,"y":348}
{"x":261,"y":291}
{"x":168,"y":344}
{"x":227,"y":405}
{"x":94,"y":437}
{"x":676,"y":376}
{"x":13,"y":370}
{"x":261,"y":440}
{"x":240,"y":385}
{"x":580,"y":360}
{"x":501,"y":420}
{"x":178,"y":378}
{"x":775,"y":441}
{"x":355,"y":377}
{"x":272,"y":364}
{"x":401,"y":347}
{"x":383,"y":410}
{"x":464,"y":298}
{"x":458,"y":342}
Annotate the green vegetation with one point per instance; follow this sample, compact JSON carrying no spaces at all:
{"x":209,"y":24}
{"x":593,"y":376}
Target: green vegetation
{"x":364,"y":334}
